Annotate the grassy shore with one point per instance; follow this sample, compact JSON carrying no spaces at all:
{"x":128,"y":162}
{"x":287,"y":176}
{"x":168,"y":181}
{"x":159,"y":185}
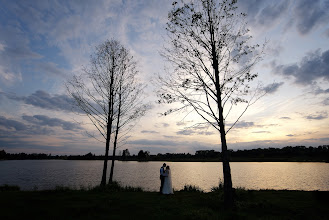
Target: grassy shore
{"x":115,"y":202}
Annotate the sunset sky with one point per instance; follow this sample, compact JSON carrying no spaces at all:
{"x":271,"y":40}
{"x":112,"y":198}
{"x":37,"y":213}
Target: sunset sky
{"x":44,"y":43}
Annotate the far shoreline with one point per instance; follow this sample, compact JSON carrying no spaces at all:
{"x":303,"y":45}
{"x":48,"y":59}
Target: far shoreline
{"x":218,"y":161}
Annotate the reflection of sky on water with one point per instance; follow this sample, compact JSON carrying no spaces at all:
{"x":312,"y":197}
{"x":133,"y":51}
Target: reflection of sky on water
{"x":45,"y":174}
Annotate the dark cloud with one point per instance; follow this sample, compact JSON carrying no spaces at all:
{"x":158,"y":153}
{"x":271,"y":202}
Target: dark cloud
{"x":244,"y":124}
{"x":149,"y":132}
{"x":264,"y":13}
{"x":172,"y":146}
{"x":251,"y":7}
{"x":190,"y":131}
{"x":326,"y":101}
{"x":272,"y":88}
{"x":165,"y":125}
{"x":310,"y":14}
{"x":206,"y":133}
{"x":200,"y":129}
{"x":261,"y":132}
{"x":272,"y":12}
{"x":286,"y":118}
{"x":153,"y":142}
{"x":12,"y":124}
{"x":306,"y":15}
{"x":317,"y":116}
{"x":9,"y":127}
{"x":183,"y":123}
{"x":185,"y":132}
{"x":168,"y":136}
{"x":290,"y":135}
{"x":318,"y":91}
{"x":44,"y":100}
{"x":180,"y":123}
{"x":313,"y":66}
{"x":44,"y":120}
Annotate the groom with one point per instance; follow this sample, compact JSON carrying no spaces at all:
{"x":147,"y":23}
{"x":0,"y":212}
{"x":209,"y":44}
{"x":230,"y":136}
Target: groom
{"x":162,"y":177}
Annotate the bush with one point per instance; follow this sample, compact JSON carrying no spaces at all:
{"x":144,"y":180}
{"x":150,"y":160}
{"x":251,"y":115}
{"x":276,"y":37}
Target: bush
{"x":7,"y":187}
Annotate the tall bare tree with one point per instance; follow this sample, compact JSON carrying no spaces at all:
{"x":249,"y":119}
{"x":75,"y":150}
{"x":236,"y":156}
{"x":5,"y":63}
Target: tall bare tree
{"x":97,"y":90}
{"x":129,"y":106}
{"x":208,"y":46}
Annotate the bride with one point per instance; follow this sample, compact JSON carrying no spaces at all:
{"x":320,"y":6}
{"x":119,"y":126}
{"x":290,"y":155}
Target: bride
{"x":167,"y":185}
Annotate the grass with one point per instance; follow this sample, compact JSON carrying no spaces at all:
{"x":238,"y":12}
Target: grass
{"x":117,"y":202}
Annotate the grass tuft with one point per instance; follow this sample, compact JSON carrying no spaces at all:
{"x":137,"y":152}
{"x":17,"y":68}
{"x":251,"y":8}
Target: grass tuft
{"x":190,"y":188}
{"x":116,"y":187}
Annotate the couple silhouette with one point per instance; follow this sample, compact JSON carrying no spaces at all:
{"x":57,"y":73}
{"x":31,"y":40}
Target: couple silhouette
{"x":165,"y":178}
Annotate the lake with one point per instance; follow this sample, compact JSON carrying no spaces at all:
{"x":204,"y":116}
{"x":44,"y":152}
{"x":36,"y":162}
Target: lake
{"x":46,"y":174}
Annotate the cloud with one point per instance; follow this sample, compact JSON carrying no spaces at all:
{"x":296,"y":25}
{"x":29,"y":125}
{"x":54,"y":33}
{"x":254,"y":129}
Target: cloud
{"x":261,"y":132}
{"x":326,"y":101}
{"x":8,"y":128}
{"x":312,"y":67}
{"x":15,"y":52}
{"x":167,"y":146}
{"x":285,"y":118}
{"x":200,"y":129}
{"x":44,"y":100}
{"x":153,"y":142}
{"x":12,"y":124}
{"x":180,"y":123}
{"x":290,"y":135}
{"x":49,"y":68}
{"x":272,"y":12}
{"x":326,"y":33}
{"x":170,"y":137}
{"x":165,"y":125}
{"x":304,"y":15}
{"x":22,"y":52}
{"x":185,"y":132}
{"x":190,"y":131}
{"x":8,"y":77}
{"x":206,"y":133}
{"x":44,"y":120}
{"x":318,"y":91}
{"x":149,"y":132}
{"x":317,"y":116}
{"x":272,"y":88}
{"x":310,"y":14}
{"x":264,"y":14}
{"x":243,"y":124}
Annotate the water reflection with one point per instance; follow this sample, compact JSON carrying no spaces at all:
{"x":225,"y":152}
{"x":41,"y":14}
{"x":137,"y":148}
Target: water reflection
{"x":47,"y":174}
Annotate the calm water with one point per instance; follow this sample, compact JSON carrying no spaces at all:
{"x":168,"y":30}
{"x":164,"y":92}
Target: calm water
{"x":46,"y":174}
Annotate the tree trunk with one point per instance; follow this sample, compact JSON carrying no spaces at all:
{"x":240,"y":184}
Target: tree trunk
{"x":228,"y":190}
{"x":116,"y":135}
{"x":108,"y":138}
{"x":114,"y":149}
{"x":113,"y":158}
{"x":109,"y":124}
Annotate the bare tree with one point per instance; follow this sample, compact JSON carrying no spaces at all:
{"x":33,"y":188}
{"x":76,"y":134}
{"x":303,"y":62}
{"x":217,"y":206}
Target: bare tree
{"x":129,"y":103}
{"x":208,"y":46}
{"x":97,"y":91}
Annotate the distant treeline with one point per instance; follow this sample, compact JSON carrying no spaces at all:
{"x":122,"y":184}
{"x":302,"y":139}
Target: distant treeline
{"x":289,"y":153}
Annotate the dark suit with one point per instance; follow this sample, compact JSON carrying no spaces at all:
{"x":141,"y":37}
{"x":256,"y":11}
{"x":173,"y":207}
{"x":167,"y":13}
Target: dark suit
{"x":162,"y":178}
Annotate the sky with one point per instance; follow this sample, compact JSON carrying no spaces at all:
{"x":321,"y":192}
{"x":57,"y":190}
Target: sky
{"x":45,"y":43}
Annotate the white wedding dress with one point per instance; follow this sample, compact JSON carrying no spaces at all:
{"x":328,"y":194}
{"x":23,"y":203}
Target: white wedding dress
{"x":167,"y":185}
